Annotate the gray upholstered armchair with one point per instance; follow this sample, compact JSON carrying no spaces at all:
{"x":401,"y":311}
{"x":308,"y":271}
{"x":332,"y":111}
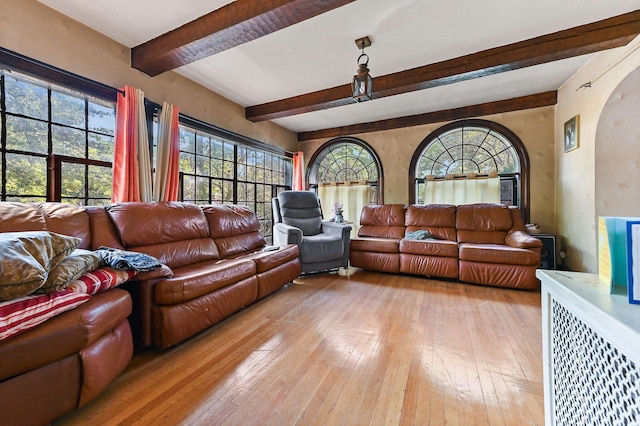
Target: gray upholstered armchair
{"x":298,"y":220}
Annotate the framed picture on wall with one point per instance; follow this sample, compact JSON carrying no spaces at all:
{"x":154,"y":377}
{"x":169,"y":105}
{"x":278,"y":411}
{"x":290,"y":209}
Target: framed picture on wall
{"x":572,"y":134}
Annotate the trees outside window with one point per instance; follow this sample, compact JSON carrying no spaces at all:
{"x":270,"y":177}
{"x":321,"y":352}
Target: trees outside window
{"x":214,"y":169}
{"x":47,"y":127}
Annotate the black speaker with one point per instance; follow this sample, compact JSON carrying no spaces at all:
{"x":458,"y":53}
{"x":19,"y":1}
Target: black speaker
{"x":548,"y":251}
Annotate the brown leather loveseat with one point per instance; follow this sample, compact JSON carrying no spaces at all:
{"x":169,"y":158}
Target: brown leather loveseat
{"x":476,"y":243}
{"x":214,"y":264}
{"x":215,"y":259}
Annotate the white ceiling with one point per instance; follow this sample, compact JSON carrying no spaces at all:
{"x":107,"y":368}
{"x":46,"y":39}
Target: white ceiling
{"x":320,"y":53}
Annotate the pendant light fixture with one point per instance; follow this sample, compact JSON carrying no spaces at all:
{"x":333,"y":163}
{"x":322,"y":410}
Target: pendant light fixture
{"x":362,"y":84}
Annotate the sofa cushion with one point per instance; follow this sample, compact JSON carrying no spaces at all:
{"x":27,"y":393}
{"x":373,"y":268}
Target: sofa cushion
{"x":267,"y":260}
{"x":377,"y":245}
{"x":193,"y":281}
{"x":69,"y":270}
{"x":141,"y":224}
{"x":20,"y":217}
{"x":66,"y":333}
{"x":438,"y":219}
{"x":483,"y":217}
{"x":67,"y":219}
{"x":490,"y":253}
{"x":100,"y":280}
{"x":440,"y":248}
{"x":235,"y":229}
{"x":483,"y":223}
{"x":21,"y":314}
{"x":177,"y":234}
{"x":27,"y":258}
{"x":382,"y":221}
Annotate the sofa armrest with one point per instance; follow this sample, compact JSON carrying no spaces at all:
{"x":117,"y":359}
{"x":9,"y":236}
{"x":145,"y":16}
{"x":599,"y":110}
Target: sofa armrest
{"x":521,"y":239}
{"x":284,"y":234}
{"x":344,"y":232}
{"x":163,"y":272}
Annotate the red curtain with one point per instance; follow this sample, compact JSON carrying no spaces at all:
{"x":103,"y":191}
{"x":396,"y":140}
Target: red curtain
{"x":298,"y":172}
{"x":125,"y":164}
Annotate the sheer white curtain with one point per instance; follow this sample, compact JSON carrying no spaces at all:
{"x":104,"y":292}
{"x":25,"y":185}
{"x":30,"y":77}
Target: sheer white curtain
{"x":353,"y":198}
{"x":166,"y":185}
{"x":462,"y":191}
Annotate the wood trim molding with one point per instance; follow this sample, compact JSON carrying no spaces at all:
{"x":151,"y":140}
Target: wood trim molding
{"x":576,"y":41}
{"x":225,"y":28}
{"x":497,"y":107}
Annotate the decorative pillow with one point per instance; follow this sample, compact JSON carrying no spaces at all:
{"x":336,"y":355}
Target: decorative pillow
{"x":418,"y":235}
{"x":19,"y":315}
{"x":27,"y":257}
{"x":100,"y":280}
{"x":69,"y":270}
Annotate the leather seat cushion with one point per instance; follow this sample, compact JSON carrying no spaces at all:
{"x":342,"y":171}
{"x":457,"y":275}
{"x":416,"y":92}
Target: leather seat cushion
{"x":267,"y":260}
{"x":377,"y":245}
{"x":196,"y":280}
{"x":490,"y":253}
{"x":430,"y":247}
{"x":64,"y":334}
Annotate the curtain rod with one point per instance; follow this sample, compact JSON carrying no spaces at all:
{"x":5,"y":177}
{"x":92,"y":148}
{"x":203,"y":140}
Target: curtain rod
{"x":21,"y":63}
{"x":589,"y":83}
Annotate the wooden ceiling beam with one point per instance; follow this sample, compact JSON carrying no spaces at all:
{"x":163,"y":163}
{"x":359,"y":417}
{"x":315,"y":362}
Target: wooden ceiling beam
{"x":230,"y":26}
{"x":581,"y":40}
{"x":497,"y":107}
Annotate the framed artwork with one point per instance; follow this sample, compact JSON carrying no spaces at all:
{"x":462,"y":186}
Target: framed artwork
{"x":572,"y":134}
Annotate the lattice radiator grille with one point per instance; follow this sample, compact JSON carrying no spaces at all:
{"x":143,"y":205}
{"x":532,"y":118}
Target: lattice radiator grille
{"x":594,"y":383}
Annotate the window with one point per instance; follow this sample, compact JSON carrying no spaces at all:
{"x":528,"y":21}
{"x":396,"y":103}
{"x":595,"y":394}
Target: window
{"x":346,"y":171}
{"x":57,"y":145}
{"x":467,"y":152}
{"x":51,"y":128}
{"x":214,"y":169}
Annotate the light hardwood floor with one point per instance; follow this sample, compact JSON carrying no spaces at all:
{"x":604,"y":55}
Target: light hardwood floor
{"x":355,"y":348}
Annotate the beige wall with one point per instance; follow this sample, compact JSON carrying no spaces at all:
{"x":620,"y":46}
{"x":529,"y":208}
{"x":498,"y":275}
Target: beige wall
{"x":576,"y":170}
{"x":535,"y":127}
{"x":34,"y":30}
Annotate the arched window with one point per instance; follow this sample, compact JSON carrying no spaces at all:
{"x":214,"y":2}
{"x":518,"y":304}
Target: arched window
{"x":347,"y":171}
{"x":471,"y":161}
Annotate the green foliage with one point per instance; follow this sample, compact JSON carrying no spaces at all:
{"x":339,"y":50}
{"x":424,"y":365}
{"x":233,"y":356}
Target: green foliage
{"x":80,"y":128}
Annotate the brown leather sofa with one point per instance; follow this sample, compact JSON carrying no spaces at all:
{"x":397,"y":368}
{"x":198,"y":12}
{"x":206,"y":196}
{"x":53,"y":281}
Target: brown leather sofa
{"x":214,"y":266}
{"x":476,"y":243}
{"x":215,"y":262}
{"x":65,"y":362}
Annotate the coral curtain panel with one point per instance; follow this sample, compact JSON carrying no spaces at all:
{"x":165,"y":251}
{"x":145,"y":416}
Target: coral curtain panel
{"x":298,"y":172}
{"x":131,"y":159}
{"x":166,"y":185}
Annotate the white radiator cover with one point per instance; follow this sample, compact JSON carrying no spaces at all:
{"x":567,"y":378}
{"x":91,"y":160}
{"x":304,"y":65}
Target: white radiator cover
{"x":591,"y":350}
